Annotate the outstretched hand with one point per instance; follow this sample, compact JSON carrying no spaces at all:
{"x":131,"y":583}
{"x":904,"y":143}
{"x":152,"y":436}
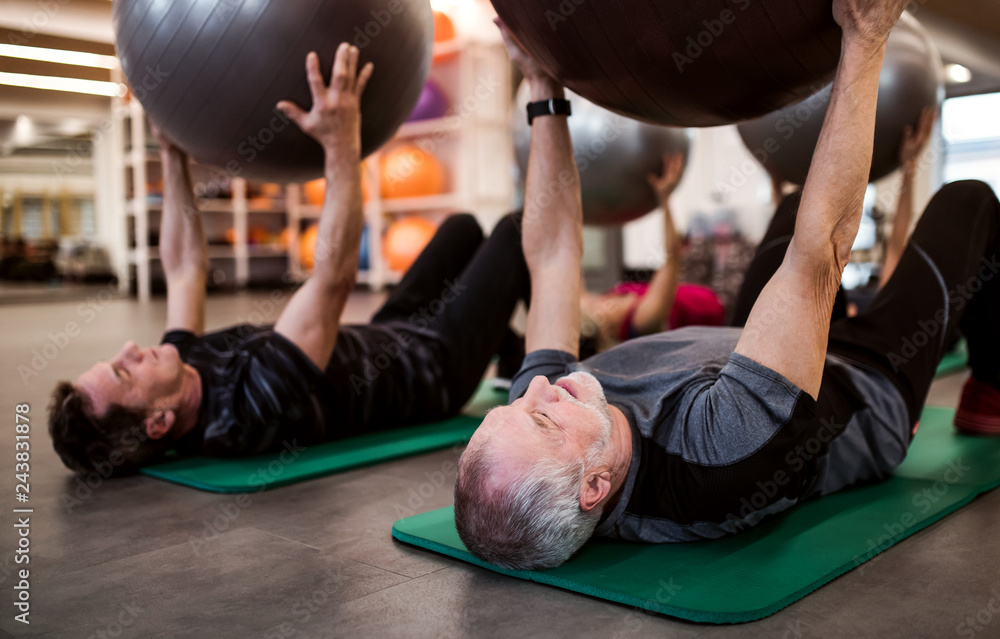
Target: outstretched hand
{"x":520,"y":57}
{"x":868,"y":22}
{"x":666,"y":183}
{"x":335,"y":117}
{"x":167,"y":145}
{"x":915,"y":139}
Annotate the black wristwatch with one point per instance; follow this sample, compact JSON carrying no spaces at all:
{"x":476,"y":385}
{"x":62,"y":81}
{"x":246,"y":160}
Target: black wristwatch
{"x":554,"y":106}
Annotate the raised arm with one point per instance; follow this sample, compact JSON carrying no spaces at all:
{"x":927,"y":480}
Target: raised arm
{"x":914,"y":142}
{"x":312,"y":318}
{"x":656,"y":304}
{"x":183,"y":250}
{"x":552,"y":235}
{"x":789,"y":324}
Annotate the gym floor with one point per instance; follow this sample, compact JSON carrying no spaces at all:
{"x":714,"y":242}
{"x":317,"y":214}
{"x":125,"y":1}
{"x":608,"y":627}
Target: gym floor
{"x":138,"y":557}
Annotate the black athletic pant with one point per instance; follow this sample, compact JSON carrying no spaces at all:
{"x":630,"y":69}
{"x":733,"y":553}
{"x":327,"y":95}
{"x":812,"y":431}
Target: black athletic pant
{"x":947,"y":280}
{"x":469,"y":288}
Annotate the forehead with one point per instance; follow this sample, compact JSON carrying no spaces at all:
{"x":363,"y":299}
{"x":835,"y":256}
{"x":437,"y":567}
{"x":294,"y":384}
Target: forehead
{"x":100,"y":384}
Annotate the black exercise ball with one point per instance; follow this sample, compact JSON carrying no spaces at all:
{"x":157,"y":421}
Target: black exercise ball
{"x":683,"y":63}
{"x":614,"y":155}
{"x":210,"y":72}
{"x":912,"y":79}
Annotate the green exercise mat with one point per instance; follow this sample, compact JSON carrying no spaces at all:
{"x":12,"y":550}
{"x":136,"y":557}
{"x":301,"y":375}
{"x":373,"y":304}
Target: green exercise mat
{"x":253,"y":474}
{"x":954,"y":361}
{"x":756,"y":573}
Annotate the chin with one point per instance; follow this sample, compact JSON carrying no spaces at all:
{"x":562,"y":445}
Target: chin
{"x":591,"y":392}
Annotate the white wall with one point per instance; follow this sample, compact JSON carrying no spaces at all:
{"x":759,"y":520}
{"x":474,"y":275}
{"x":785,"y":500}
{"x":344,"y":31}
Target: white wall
{"x":720,"y":173}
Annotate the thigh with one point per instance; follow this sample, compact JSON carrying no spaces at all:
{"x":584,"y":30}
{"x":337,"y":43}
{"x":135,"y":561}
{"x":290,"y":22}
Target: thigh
{"x":474,"y":316}
{"x":943,"y":284}
{"x":438,"y":265}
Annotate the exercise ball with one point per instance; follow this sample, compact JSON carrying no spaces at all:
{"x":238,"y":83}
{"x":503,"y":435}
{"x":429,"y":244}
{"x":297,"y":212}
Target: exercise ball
{"x":695,"y":63}
{"x":432,"y":104}
{"x":307,"y":246}
{"x":614,"y":155}
{"x":406,"y":170}
{"x":314,"y":191}
{"x":912,"y":79}
{"x":444,"y":28}
{"x":405,"y":239}
{"x":210,"y":72}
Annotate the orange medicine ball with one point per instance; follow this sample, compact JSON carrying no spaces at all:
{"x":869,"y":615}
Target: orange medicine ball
{"x":407,"y":171}
{"x":404,"y":241}
{"x":307,"y":246}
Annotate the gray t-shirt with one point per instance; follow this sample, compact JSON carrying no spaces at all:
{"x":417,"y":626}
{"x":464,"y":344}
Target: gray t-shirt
{"x":720,"y":441}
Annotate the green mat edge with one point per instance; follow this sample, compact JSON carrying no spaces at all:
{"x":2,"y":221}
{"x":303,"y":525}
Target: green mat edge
{"x":166,"y":475}
{"x":689,"y":614}
{"x":280,"y":483}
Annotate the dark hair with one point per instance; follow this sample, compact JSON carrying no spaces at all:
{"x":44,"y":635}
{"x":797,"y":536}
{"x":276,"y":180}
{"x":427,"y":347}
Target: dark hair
{"x":113,"y":444}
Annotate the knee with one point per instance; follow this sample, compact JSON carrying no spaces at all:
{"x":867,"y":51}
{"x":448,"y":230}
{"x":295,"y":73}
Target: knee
{"x":509,"y":226}
{"x":465,"y":226}
{"x":967,"y":194}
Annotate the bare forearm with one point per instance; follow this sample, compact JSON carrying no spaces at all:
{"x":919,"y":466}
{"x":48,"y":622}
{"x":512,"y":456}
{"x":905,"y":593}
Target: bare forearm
{"x":553,"y":214}
{"x":182,"y":235}
{"x":833,"y":197}
{"x":552,"y":233}
{"x":338,"y":242}
{"x":655,"y":306}
{"x":900,"y":225}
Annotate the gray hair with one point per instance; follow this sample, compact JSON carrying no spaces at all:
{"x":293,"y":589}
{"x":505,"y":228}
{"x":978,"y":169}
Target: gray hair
{"x":536,"y":522}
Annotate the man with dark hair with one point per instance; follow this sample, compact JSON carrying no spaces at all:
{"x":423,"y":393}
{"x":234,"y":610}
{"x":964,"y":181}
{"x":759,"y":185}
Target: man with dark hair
{"x":663,"y":438}
{"x":308,"y":379}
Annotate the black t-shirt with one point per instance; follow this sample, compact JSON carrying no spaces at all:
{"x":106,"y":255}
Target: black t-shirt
{"x":260,"y":391}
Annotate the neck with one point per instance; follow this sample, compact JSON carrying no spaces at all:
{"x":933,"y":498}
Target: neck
{"x":190,"y":403}
{"x":621,"y":442}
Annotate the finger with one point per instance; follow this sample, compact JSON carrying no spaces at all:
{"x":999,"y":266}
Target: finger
{"x":339,"y":79}
{"x":292,"y":111}
{"x":315,"y":78}
{"x":363,"y":77}
{"x":352,"y":67}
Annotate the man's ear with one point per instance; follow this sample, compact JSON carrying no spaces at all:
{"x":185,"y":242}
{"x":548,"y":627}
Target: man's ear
{"x":595,"y":488}
{"x":159,"y":423}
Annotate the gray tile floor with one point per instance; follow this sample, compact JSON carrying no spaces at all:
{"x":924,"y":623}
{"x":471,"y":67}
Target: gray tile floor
{"x":142,"y":558}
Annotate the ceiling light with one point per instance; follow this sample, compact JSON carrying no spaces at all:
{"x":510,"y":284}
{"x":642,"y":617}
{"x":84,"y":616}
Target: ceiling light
{"x":59,"y":56}
{"x":958,"y":74}
{"x":72,"y":85}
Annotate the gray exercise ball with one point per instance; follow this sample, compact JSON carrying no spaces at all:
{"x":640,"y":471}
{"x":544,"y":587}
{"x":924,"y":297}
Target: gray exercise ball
{"x":912,"y":78}
{"x":209,"y":72}
{"x":614,"y":155}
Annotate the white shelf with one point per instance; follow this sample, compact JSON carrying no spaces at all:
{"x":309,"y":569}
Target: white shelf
{"x":215,"y":251}
{"x":416,"y":204}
